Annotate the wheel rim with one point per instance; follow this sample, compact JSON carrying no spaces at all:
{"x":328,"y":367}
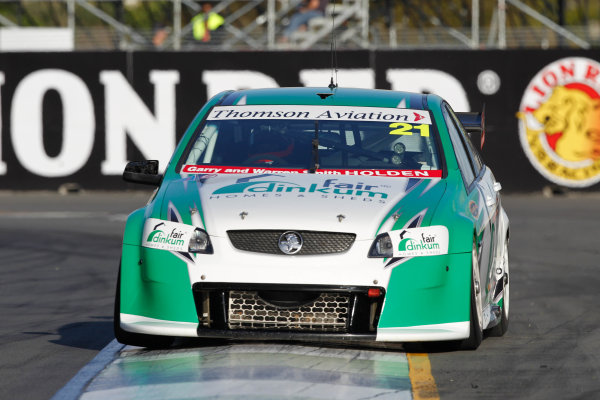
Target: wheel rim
{"x":477,"y":287}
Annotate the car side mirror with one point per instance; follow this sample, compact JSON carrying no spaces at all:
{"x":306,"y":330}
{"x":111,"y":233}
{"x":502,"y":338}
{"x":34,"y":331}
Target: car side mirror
{"x":144,"y":172}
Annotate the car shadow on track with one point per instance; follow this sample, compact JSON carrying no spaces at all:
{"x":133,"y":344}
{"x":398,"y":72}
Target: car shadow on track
{"x":92,"y":335}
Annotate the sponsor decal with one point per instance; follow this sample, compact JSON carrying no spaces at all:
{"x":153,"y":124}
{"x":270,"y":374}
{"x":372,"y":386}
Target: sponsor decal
{"x":392,"y":173}
{"x":559,"y":122}
{"x":166,"y":235}
{"x":328,"y":186}
{"x":414,"y":242}
{"x":474,"y":208}
{"x":325,"y":113}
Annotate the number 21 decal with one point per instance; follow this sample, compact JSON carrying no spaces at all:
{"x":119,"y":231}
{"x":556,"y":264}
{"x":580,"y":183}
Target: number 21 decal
{"x":407,"y":129}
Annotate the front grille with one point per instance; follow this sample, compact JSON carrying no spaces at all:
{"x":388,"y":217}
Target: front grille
{"x":266,"y":241}
{"x":328,"y":313}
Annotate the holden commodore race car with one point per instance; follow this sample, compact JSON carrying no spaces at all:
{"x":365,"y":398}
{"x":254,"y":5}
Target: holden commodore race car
{"x":318,"y":214}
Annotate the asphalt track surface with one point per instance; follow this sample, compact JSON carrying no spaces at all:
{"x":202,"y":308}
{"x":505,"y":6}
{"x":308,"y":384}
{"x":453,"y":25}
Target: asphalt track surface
{"x":59,"y":259}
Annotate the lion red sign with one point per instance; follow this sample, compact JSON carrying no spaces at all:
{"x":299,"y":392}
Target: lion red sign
{"x":559,"y":122}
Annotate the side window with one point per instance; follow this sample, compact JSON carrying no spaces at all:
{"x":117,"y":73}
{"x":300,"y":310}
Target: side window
{"x":474,"y":153}
{"x":471,"y":149}
{"x":462,"y":157}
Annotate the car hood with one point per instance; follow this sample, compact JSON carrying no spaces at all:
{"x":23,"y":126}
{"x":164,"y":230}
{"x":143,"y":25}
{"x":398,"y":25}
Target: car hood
{"x":334,"y":203}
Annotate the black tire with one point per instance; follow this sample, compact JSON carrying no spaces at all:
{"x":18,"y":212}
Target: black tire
{"x":502,"y":327}
{"x":476,"y":331}
{"x":135,"y":339}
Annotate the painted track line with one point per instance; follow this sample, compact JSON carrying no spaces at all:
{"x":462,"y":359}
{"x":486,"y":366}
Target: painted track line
{"x":421,"y":379}
{"x":75,"y":387}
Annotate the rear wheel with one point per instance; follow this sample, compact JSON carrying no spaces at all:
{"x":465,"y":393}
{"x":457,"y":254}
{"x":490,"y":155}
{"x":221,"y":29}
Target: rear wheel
{"x":135,"y":339}
{"x":502,"y":327}
{"x":476,"y":319}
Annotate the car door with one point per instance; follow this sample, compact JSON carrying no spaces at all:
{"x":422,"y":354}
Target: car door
{"x":482,"y":202}
{"x":490,"y":188}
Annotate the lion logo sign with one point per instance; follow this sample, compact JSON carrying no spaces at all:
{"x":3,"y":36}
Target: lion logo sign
{"x":559,"y":122}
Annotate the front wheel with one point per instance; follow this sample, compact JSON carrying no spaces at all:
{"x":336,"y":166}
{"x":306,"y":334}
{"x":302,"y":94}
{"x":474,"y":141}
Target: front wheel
{"x":135,"y":339}
{"x":476,"y":315}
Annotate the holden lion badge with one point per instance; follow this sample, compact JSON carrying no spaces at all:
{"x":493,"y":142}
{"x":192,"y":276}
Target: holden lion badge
{"x":290,"y":242}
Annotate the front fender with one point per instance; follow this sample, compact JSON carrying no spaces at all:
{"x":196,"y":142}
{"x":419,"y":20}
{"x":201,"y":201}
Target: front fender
{"x":154,"y":283}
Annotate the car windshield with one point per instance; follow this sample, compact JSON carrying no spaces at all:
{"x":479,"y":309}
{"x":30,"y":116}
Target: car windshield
{"x":315,"y":138}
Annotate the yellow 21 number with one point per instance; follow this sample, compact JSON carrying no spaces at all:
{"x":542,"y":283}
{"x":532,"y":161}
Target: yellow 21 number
{"x":406,"y":129}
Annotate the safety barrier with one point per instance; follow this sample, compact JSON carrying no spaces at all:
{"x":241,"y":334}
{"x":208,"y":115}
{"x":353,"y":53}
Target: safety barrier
{"x":77,"y":117}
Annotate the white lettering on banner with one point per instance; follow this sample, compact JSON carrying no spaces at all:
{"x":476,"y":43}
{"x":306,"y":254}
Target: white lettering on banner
{"x":78,"y":123}
{"x":363,"y":78}
{"x":218,"y":81}
{"x":127,"y":115}
{"x":432,"y":81}
{"x":2,"y":164}
{"x":152,"y":130}
{"x":220,"y":169}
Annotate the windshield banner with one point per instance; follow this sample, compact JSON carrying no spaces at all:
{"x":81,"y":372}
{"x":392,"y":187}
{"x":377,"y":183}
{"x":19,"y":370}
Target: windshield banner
{"x":217,"y":169}
{"x":323,"y":113}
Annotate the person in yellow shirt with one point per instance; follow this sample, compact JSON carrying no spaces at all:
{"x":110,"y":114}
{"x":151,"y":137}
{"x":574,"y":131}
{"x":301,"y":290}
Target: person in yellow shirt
{"x":206,"y":22}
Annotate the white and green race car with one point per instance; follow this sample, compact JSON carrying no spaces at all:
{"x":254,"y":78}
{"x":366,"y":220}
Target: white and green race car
{"x":318,"y":214}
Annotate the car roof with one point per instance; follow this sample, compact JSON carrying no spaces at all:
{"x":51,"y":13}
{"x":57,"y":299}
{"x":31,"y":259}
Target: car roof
{"x":326,"y":96}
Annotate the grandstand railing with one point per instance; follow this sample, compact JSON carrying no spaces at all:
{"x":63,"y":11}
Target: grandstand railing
{"x":258,"y":25}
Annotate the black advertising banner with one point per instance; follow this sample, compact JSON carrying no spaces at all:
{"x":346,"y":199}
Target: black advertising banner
{"x":79,"y":117}
{"x":52,"y":113}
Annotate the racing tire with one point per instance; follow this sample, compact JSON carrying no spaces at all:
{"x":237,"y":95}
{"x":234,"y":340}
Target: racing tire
{"x":135,"y":339}
{"x":476,"y":313}
{"x":502,"y":327}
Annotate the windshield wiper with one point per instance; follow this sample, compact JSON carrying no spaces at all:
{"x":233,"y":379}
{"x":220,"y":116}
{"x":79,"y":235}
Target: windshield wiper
{"x":315,"y":150}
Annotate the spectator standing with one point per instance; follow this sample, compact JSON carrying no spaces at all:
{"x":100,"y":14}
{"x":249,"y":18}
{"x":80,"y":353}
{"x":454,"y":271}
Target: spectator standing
{"x":308,"y":10}
{"x":206,"y":22}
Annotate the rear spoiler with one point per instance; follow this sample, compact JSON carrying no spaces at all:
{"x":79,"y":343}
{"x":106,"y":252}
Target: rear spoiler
{"x":474,"y":124}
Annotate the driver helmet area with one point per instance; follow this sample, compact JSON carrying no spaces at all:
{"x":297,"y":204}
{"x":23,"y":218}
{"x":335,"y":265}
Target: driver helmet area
{"x":270,"y":144}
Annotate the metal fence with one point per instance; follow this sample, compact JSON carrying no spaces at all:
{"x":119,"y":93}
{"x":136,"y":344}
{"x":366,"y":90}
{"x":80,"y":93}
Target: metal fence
{"x":259,"y":24}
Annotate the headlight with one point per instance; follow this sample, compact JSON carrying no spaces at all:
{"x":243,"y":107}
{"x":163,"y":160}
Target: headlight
{"x":200,"y":242}
{"x":382,"y":247}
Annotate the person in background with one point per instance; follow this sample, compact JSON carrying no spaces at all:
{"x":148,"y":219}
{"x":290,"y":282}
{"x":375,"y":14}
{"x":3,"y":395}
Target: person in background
{"x":308,"y":10}
{"x":161,"y":33}
{"x":206,"y":22}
